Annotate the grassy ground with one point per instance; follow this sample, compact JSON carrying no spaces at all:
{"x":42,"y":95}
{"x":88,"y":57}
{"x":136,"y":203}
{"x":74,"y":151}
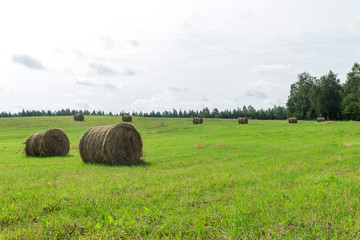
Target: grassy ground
{"x":219,"y":180}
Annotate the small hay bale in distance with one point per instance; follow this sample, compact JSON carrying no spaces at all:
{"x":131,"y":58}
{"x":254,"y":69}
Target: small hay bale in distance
{"x":197,"y":120}
{"x":320,"y":119}
{"x":111,"y":144}
{"x":126,"y":118}
{"x":48,"y":143}
{"x":79,"y":117}
{"x":292,"y":120}
{"x":243,"y":120}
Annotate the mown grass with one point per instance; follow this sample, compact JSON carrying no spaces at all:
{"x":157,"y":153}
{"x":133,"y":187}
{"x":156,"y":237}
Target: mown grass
{"x":219,"y":180}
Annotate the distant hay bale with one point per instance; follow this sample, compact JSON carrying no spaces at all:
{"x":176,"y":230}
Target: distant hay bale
{"x":126,"y":118}
{"x":79,"y":117}
{"x":320,"y":119}
{"x":243,"y":120}
{"x":111,"y":144}
{"x":197,"y":120}
{"x":293,"y":120}
{"x":48,"y":143}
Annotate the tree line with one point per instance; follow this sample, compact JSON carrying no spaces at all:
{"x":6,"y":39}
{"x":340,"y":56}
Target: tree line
{"x":312,"y":97}
{"x":277,"y":112}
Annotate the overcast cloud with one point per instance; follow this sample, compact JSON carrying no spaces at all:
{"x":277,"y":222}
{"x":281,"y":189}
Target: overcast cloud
{"x":158,"y":55}
{"x":28,"y":61}
{"x":101,"y":70}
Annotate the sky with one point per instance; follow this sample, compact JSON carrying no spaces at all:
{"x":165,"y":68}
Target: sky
{"x":141,"y":55}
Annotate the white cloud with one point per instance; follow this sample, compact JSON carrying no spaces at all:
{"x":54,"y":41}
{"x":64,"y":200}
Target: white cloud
{"x":112,"y":96}
{"x":101,"y":69}
{"x":268,"y":68}
{"x":167,"y":100}
{"x":85,"y":82}
{"x":81,"y":104}
{"x":85,"y":104}
{"x":109,"y":42}
{"x":107,"y":84}
{"x":28,"y":61}
{"x":255,"y":94}
{"x":160,"y":101}
{"x":85,"y":93}
{"x":128,"y":71}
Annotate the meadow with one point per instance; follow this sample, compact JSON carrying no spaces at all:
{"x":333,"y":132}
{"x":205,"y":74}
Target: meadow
{"x":218,"y":180}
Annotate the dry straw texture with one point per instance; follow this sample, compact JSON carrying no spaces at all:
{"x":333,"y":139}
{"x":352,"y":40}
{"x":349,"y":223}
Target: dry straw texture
{"x":199,"y":145}
{"x":126,"y":118}
{"x":243,"y":120}
{"x":197,"y":120}
{"x":111,"y":144}
{"x":79,"y":117}
{"x":52,"y":142}
{"x":293,"y":120}
{"x":320,"y":119}
{"x":350,"y":144}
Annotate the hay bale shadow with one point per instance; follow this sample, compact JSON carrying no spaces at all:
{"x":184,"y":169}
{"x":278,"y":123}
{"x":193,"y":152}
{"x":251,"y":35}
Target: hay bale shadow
{"x":142,"y":163}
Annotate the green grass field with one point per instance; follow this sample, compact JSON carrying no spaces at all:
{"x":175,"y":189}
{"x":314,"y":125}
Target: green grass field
{"x":219,"y":180}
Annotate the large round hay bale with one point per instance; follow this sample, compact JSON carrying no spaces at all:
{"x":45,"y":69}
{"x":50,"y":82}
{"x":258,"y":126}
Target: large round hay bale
{"x":126,"y":118}
{"x":197,"y":120}
{"x":111,"y":144}
{"x":79,"y":117}
{"x":243,"y":120}
{"x":320,"y":119}
{"x":48,"y":143}
{"x":292,"y":120}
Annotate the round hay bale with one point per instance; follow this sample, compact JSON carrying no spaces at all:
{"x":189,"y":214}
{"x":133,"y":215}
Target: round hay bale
{"x":48,"y":143}
{"x":126,"y":118}
{"x":197,"y":120}
{"x":320,"y":119}
{"x":292,"y":120}
{"x":111,"y":144}
{"x":79,"y":117}
{"x":243,"y":120}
